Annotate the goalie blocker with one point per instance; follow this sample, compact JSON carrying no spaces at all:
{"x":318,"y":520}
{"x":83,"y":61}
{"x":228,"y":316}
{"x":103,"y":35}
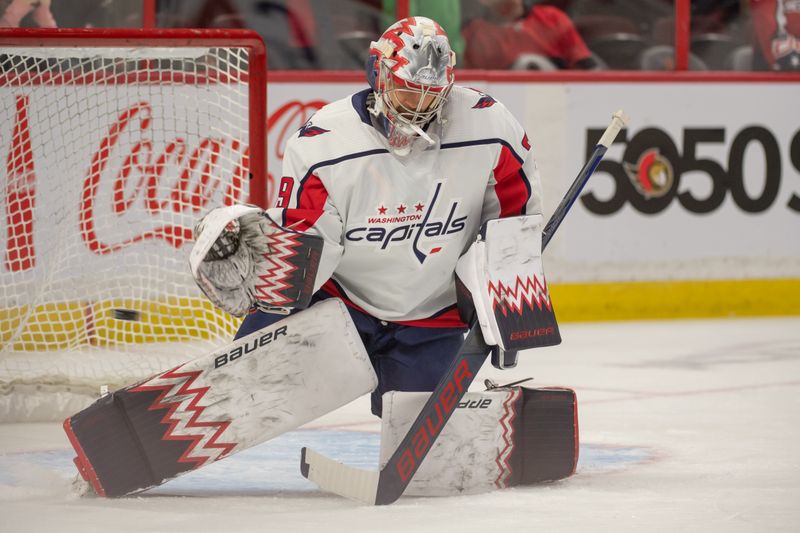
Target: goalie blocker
{"x":500,"y":283}
{"x":250,"y":391}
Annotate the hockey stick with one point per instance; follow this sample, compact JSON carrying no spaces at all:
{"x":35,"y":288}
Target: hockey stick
{"x":618,"y":120}
{"x":387,"y":485}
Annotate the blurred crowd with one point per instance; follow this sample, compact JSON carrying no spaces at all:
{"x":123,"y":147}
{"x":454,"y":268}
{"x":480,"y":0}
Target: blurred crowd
{"x":735,"y":35}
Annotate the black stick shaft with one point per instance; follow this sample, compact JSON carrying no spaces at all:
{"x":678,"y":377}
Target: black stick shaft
{"x":574,"y":191}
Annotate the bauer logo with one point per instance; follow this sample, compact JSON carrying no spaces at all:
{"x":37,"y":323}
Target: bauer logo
{"x":414,"y":452}
{"x":482,"y":403}
{"x":531,"y":333}
{"x":249,"y":347}
{"x":413,"y":225}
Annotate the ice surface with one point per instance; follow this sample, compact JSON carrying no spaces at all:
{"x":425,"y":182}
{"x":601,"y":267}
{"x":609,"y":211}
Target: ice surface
{"x":685,"y":426}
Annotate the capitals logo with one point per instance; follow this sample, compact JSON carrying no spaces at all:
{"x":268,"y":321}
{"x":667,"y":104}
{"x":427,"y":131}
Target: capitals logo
{"x":310,"y":130}
{"x":418,"y":227}
{"x":484,"y":101}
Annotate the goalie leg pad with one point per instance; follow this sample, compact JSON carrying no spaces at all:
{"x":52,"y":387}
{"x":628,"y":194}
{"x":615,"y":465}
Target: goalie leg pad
{"x":260,"y":386}
{"x":548,"y":434}
{"x":495,"y":439}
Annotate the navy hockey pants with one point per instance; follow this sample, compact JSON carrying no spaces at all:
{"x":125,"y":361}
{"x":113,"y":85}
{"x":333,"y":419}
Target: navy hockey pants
{"x":405,"y":358}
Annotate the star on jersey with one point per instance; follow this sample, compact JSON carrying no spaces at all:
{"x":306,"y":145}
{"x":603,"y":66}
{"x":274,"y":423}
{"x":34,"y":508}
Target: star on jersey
{"x":419,"y":230}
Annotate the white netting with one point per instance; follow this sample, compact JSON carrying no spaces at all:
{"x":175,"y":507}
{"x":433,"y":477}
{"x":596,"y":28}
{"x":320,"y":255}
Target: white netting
{"x":110,"y":157}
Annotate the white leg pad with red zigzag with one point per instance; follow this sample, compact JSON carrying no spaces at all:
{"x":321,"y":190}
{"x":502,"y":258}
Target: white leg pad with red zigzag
{"x":495,"y":439}
{"x":250,"y":391}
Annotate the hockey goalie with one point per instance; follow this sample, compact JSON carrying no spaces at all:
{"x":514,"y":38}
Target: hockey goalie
{"x":348,"y":285}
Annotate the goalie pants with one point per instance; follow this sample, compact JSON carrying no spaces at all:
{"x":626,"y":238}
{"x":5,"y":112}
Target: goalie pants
{"x":405,"y":358}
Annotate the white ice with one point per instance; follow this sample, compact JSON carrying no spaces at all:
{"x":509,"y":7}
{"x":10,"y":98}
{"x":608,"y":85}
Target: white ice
{"x":684,"y":426}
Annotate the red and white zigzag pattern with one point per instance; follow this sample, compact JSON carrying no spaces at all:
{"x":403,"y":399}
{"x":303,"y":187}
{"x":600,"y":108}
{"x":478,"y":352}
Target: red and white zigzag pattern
{"x":529,"y":292}
{"x":183,"y":416}
{"x":282,"y":247}
{"x":507,"y":423}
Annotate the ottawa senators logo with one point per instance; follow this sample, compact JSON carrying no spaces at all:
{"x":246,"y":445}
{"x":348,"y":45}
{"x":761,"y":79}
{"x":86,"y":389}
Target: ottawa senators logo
{"x":652,"y":175}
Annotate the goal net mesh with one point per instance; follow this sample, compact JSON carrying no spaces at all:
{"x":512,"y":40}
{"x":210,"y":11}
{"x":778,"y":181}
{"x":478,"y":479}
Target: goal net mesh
{"x":111,"y":155}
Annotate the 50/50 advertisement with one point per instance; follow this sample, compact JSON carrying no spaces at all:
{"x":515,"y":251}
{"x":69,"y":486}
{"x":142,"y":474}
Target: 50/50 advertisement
{"x":648,"y":177}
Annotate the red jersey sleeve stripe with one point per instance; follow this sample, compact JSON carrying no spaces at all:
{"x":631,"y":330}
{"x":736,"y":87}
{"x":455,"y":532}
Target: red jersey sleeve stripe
{"x":512,"y":187}
{"x":311,"y":194}
{"x":310,"y":204}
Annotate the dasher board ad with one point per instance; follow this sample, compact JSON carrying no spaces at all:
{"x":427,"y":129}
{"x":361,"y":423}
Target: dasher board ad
{"x":703,"y":183}
{"x":120,"y":173}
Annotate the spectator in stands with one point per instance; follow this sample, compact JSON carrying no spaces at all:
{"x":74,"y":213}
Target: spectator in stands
{"x":446,"y":12}
{"x":776,"y":24}
{"x":506,"y":33}
{"x":19,"y":9}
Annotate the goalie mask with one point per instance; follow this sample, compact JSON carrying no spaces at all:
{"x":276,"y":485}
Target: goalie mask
{"x":410,"y":69}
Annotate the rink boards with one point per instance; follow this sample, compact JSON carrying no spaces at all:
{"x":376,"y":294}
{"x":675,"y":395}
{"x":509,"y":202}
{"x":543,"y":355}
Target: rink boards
{"x":695,"y":210}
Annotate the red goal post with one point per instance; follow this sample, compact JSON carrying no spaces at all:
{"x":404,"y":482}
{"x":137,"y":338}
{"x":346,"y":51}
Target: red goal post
{"x":114,"y":142}
{"x":254,"y":75}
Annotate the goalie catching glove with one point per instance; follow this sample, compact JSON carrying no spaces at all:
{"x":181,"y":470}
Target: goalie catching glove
{"x":243,"y":259}
{"x":501,"y":279}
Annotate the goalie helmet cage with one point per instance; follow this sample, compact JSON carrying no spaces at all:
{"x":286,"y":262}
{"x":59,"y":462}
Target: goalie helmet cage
{"x":114,"y":143}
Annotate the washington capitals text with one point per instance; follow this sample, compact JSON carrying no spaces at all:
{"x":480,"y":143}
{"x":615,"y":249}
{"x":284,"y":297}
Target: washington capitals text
{"x":419,"y":226}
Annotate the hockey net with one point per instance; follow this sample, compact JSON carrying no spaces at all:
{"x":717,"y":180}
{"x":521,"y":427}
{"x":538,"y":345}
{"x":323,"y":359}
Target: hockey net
{"x":115,"y":142}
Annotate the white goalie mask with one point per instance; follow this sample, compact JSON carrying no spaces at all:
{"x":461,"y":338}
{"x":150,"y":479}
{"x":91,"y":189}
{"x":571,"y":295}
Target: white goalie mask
{"x":410,"y":69}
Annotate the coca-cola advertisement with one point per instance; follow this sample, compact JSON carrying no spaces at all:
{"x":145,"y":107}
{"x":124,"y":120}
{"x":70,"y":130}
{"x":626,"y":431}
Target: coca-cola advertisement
{"x":102,"y":176}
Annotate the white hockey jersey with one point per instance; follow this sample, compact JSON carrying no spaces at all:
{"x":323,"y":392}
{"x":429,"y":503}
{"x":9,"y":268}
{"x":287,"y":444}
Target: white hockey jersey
{"x":394,"y":227}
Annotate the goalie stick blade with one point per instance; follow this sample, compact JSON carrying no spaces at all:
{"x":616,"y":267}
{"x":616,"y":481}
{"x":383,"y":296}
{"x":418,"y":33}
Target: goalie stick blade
{"x":333,"y":476}
{"x":386,"y":486}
